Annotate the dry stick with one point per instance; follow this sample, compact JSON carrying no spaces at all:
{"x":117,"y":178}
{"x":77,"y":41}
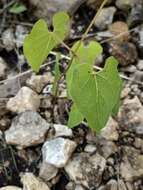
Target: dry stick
{"x":118,"y":36}
{"x":25,"y":73}
{"x":3,"y":18}
{"x":7,"y":6}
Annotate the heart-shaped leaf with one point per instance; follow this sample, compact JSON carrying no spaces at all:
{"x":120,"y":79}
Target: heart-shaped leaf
{"x":85,"y":54}
{"x":96,"y":94}
{"x":41,"y":41}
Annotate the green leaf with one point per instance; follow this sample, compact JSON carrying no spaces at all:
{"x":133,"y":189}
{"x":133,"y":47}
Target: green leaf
{"x":41,"y":41}
{"x":75,"y":117}
{"x":57,"y":74}
{"x":117,"y":105}
{"x":85,"y":54}
{"x":17,"y":8}
{"x":96,"y":94}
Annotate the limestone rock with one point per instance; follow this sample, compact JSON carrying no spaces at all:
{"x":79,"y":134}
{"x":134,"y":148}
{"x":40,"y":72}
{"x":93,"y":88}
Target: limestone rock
{"x":58,"y":151}
{"x":70,"y":186}
{"x":122,"y":185}
{"x":132,"y":166}
{"x":47,"y":171}
{"x":8,"y":39}
{"x":140,"y":41}
{"x":62,"y":130}
{"x":110,"y":131}
{"x":37,"y":82}
{"x":90,"y":148}
{"x":102,"y":188}
{"x":3,"y":68}
{"x":131,"y":115}
{"x":20,"y":35}
{"x":105,"y":18}
{"x":140,"y":65}
{"x":26,"y":99}
{"x":30,"y":182}
{"x":79,"y":187}
{"x":27,"y":129}
{"x":106,"y":148}
{"x":126,"y":5}
{"x":112,"y":185}
{"x":125,"y":52}
{"x":86,"y":170}
{"x":10,"y":188}
{"x":136,"y":15}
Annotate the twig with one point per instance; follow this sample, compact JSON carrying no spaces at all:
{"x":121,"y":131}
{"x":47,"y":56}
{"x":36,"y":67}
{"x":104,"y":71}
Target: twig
{"x":67,"y":58}
{"x":24,"y":73}
{"x":7,"y":6}
{"x":3,"y":17}
{"x":118,"y":36}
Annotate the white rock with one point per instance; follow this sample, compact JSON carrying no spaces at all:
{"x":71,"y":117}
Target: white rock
{"x":126,"y":5}
{"x":3,"y":68}
{"x":112,"y":185}
{"x":58,"y":151}
{"x":90,"y":148}
{"x":105,"y":18}
{"x":141,"y":37}
{"x":20,"y":35}
{"x":27,"y":129}
{"x":1,"y":135}
{"x":70,"y":186}
{"x":122,"y":186}
{"x":8,"y":39}
{"x":125,"y":92}
{"x":110,"y":131}
{"x":140,"y":65}
{"x":131,"y":115}
{"x":79,"y":187}
{"x":47,"y":171}
{"x":102,"y":188}
{"x":26,"y":99}
{"x":129,"y":186}
{"x":62,"y":130}
{"x":85,"y":169}
{"x":10,"y":188}
{"x":37,"y":82}
{"x":131,"y":167}
{"x":106,"y":147}
{"x":30,"y":182}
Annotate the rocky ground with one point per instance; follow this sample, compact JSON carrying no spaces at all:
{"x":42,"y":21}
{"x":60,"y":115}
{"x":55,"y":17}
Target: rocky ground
{"x":37,"y":149}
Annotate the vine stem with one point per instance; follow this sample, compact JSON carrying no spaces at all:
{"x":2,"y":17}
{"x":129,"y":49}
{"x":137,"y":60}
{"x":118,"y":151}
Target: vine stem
{"x":80,"y":42}
{"x":75,"y":54}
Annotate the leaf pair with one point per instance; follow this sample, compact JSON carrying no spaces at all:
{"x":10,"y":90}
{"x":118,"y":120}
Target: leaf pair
{"x":41,"y":41}
{"x":95,"y":95}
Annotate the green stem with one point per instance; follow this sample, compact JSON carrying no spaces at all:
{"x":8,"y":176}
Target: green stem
{"x":75,"y":52}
